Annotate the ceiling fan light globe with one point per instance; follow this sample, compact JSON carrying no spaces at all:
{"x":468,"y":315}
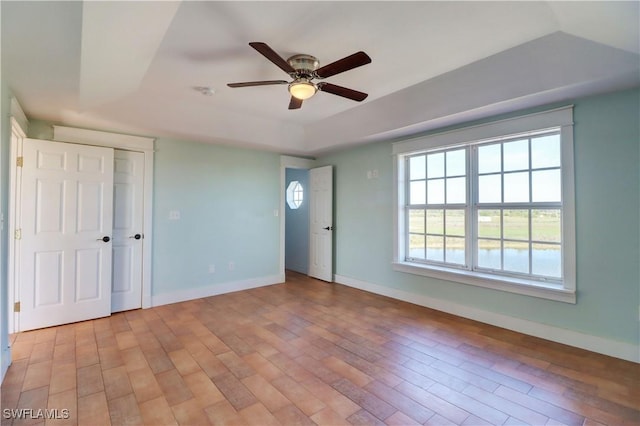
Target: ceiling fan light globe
{"x":302,"y":89}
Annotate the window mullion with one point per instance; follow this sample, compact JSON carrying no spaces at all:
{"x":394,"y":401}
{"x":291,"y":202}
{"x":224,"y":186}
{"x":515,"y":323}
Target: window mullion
{"x":530,"y":241}
{"x":471,"y":213}
{"x":530,"y":210}
{"x":407,"y":208}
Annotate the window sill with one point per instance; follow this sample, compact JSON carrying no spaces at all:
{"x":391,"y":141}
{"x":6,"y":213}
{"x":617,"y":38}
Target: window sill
{"x":512,"y":285}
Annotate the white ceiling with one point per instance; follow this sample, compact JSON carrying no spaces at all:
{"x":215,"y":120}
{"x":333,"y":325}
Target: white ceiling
{"x":132,"y":67}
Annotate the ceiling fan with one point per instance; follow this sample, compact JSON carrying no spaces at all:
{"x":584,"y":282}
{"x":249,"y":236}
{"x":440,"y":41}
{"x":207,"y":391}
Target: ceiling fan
{"x":303,"y":69}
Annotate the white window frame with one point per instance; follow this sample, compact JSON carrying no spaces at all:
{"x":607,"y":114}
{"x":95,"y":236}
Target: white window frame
{"x":561,"y":118}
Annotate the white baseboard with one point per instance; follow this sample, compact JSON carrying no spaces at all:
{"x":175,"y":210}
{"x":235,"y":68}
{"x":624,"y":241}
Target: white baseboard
{"x":214,"y":289}
{"x":592,"y":343}
{"x":6,"y":362}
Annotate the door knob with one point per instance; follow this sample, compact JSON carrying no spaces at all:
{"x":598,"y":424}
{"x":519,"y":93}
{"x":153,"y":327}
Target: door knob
{"x":137,"y":236}
{"x":106,"y":239}
{"x":328,"y":228}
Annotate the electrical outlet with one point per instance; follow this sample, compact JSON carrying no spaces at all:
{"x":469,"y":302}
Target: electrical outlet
{"x":232,"y":266}
{"x":174,"y":215}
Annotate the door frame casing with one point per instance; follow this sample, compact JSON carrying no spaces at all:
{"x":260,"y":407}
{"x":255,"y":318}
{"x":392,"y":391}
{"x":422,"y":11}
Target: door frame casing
{"x":18,"y":134}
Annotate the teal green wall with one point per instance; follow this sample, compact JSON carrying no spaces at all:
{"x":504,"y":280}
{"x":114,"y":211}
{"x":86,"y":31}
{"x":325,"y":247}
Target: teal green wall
{"x":40,"y":130}
{"x":607,"y":139}
{"x":226,"y":198}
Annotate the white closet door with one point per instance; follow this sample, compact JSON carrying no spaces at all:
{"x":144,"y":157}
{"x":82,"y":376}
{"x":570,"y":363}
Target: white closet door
{"x":321,"y":223}
{"x":66,"y":222}
{"x":128,"y":199}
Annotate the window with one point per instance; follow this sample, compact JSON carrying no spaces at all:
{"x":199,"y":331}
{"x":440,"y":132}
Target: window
{"x":491,"y":205}
{"x":295,"y":195}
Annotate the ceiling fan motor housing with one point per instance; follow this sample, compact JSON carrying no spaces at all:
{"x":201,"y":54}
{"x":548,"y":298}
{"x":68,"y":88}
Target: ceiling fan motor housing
{"x":305,"y":65}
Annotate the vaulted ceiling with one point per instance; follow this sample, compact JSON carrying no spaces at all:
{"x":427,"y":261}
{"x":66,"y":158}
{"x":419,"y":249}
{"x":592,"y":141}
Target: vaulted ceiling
{"x":133,"y":67}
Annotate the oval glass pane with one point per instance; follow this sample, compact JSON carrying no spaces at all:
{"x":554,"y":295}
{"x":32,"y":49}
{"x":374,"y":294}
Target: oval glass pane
{"x":294,"y":195}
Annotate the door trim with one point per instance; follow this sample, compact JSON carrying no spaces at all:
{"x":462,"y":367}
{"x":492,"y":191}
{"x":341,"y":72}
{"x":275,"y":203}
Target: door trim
{"x":15,"y":186}
{"x":127,"y":143}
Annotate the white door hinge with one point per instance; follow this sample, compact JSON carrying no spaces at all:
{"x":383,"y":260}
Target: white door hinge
{"x":18,"y":234}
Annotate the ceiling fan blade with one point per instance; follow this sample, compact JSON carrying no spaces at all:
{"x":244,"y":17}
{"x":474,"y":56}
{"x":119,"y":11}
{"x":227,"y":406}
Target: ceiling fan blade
{"x":342,"y":91}
{"x":345,"y":64}
{"x":257,"y":83}
{"x":295,"y":103}
{"x":271,"y":55}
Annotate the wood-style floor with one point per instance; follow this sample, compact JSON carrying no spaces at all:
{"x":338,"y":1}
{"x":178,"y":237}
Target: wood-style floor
{"x":308,"y":352}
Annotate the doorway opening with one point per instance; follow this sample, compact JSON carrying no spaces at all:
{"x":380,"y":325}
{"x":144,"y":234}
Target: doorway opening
{"x":296,"y":256}
{"x":315,"y":243}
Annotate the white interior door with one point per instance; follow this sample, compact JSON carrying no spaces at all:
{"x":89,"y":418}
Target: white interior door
{"x":321,"y":223}
{"x":66,"y":221}
{"x":128,"y":204}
